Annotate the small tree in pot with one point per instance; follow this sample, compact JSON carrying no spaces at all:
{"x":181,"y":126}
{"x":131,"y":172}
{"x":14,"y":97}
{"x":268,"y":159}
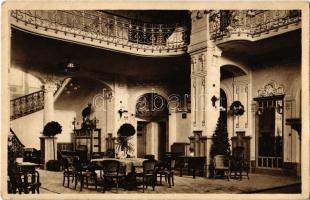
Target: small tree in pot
{"x":220,"y":142}
{"x":51,"y":129}
{"x":125,"y":133}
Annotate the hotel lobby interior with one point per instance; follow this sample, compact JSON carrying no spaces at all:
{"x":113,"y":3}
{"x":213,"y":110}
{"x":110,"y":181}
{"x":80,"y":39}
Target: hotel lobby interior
{"x":154,"y":101}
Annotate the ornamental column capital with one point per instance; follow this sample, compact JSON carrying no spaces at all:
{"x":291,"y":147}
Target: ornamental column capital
{"x":49,"y":87}
{"x":51,"y":82}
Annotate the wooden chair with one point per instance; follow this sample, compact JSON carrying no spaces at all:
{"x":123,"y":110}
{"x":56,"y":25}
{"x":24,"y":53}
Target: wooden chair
{"x":112,"y":172}
{"x":32,"y":180}
{"x":16,"y":183}
{"x":168,"y":171}
{"x":238,"y":164}
{"x":24,"y":182}
{"x":81,"y":174}
{"x":148,"y":174}
{"x":196,"y":164}
{"x":68,"y":171}
{"x":221,"y":163}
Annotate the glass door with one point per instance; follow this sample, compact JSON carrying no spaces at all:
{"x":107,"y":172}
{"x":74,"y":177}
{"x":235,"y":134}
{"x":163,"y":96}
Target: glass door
{"x":270,"y":132}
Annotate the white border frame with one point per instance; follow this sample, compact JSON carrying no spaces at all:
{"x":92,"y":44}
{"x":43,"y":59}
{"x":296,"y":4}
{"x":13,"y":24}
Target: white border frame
{"x":139,"y":5}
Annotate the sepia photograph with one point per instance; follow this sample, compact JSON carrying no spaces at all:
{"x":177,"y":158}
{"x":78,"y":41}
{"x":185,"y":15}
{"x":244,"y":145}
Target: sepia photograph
{"x":155,"y":101}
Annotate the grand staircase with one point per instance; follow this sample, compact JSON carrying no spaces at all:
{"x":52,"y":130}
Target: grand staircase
{"x":26,"y":106}
{"x":33,"y":102}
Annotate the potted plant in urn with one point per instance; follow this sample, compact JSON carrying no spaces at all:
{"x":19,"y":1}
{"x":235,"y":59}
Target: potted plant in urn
{"x":51,"y":129}
{"x":123,"y":146}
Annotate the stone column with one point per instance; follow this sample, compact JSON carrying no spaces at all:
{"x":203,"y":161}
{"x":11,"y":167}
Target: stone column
{"x":205,"y":80}
{"x":49,"y":90}
{"x":48,"y":115}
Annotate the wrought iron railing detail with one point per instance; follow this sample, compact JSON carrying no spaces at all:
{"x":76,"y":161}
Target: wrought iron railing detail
{"x":30,"y":103}
{"x":15,"y":146}
{"x":250,"y":23}
{"x":103,"y":28}
{"x":27,"y":104}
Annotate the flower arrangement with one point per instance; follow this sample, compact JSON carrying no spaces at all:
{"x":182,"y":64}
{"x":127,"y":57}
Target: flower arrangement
{"x":237,"y":108}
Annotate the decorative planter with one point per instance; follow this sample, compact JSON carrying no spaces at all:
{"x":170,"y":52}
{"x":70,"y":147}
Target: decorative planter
{"x":46,"y":146}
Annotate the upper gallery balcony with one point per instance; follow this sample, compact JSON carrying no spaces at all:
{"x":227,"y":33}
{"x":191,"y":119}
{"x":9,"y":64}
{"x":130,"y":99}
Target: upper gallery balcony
{"x":251,"y":25}
{"x":104,"y":30}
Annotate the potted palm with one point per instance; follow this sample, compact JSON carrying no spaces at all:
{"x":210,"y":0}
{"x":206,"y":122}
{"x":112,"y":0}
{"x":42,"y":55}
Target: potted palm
{"x":51,"y":129}
{"x":125,"y":133}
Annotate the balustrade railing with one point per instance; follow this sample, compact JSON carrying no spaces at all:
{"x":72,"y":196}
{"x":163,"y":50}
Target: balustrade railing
{"x":27,"y":104}
{"x":270,"y":162}
{"x":250,"y":23}
{"x":15,"y":146}
{"x":103,"y":27}
{"x":30,"y":103}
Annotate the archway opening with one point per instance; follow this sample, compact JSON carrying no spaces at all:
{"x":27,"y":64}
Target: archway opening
{"x":152,"y":113}
{"x":229,"y":71}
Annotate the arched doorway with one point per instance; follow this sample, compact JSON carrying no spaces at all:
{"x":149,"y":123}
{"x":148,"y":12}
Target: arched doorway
{"x":152,"y":114}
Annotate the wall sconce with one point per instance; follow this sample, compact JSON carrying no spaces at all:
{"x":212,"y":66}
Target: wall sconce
{"x":214,"y":99}
{"x":121,"y":111}
{"x":259,"y":111}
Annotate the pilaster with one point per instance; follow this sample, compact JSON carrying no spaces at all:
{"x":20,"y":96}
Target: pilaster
{"x":205,"y":76}
{"x":205,"y":84}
